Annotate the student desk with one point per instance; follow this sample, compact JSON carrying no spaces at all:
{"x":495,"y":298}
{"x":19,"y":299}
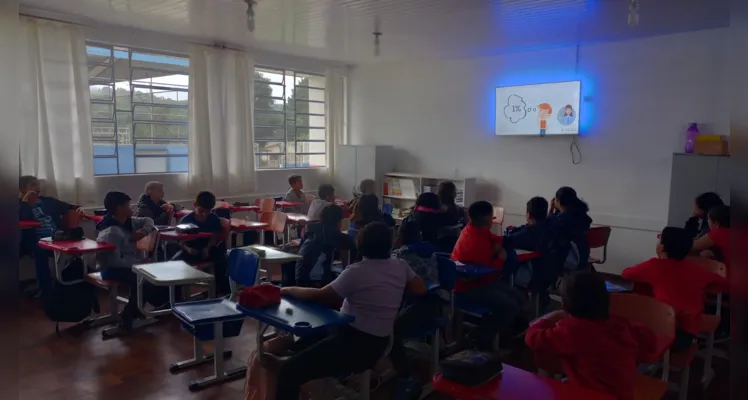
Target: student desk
{"x":286,"y":204}
{"x":293,"y":219}
{"x":94,"y":218}
{"x":615,"y":287}
{"x":517,"y":384}
{"x":473,"y":271}
{"x":239,"y":225}
{"x":525,"y":256}
{"x":174,"y":236}
{"x":270,"y":255}
{"x":171,"y":274}
{"x":29,"y":224}
{"x":294,"y":316}
{"x":244,"y":209}
{"x":73,"y":248}
{"x":181,"y":213}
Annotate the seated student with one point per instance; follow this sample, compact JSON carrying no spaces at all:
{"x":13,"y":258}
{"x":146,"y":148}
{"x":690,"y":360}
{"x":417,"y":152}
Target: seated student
{"x":677,"y":282}
{"x":296,"y":195}
{"x":325,"y":197}
{"x":367,"y":211}
{"x":417,"y":311}
{"x":478,"y":246}
{"x":434,"y":226}
{"x":152,"y":204}
{"x":371,"y":291}
{"x":698,"y":225}
{"x":569,"y":222}
{"x":367,"y":186}
{"x":318,"y":247}
{"x":121,"y":229}
{"x":597,"y":350}
{"x":206,"y":249}
{"x":453,"y":213}
{"x":48,"y":212}
{"x":534,"y":235}
{"x":716,"y":243}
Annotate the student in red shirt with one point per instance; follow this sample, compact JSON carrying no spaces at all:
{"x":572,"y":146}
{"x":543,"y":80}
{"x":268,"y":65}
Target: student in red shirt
{"x":677,"y":282}
{"x":597,"y":350}
{"x":716,"y":243}
{"x":478,"y":246}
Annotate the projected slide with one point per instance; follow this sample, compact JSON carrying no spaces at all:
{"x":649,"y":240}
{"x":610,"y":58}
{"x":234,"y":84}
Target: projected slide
{"x":541,"y":109}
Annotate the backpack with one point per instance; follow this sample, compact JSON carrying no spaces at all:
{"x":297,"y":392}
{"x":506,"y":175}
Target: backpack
{"x":471,"y":367}
{"x":70,"y":303}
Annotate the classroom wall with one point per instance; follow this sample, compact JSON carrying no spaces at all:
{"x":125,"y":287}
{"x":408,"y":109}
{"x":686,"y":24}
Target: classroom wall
{"x":639,"y":96}
{"x":269,"y":182}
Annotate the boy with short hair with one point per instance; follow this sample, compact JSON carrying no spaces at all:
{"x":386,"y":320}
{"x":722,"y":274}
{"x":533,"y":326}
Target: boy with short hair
{"x":597,"y":350}
{"x":121,"y":229}
{"x":325,"y":197}
{"x":478,"y":246}
{"x":371,"y":291}
{"x":48,"y":212}
{"x":532,"y":236}
{"x":318,"y":247}
{"x":296,"y":195}
{"x":677,"y":282}
{"x":206,"y":249}
{"x":152,"y":204}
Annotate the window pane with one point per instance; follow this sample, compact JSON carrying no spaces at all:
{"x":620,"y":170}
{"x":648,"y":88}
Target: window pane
{"x":149,"y":94}
{"x":298,"y":100}
{"x":269,"y":161}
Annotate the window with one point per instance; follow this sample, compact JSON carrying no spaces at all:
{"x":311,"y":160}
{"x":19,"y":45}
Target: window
{"x":289,"y":119}
{"x":139,"y":111}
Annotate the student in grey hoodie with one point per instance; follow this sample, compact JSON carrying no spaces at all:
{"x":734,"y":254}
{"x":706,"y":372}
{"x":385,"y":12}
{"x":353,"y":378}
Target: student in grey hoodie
{"x":122,"y":230}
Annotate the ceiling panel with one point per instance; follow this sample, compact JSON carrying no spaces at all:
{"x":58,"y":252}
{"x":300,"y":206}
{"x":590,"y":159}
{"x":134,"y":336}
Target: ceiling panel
{"x":341,"y":30}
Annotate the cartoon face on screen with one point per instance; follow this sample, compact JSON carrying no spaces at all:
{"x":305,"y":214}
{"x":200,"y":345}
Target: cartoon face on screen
{"x":544,"y":111}
{"x":567,"y":115}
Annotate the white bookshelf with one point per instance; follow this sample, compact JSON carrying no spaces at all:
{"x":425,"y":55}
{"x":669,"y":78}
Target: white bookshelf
{"x":401,"y":189}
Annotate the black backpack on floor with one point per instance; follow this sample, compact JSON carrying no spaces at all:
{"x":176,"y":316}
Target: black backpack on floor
{"x":471,"y":367}
{"x":70,"y":303}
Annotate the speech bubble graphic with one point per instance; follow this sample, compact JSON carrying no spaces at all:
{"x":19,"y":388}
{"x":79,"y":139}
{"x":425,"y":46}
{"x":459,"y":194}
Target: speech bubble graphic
{"x":515,"y":109}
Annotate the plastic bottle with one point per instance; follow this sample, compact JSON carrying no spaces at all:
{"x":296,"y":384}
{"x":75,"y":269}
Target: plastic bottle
{"x":691,"y":133}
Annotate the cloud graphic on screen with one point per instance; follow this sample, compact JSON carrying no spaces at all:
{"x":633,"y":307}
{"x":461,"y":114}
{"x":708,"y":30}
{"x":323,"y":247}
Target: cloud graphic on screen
{"x":515,"y":109}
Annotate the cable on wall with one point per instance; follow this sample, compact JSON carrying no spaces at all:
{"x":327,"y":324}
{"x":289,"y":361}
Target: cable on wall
{"x":576,"y":157}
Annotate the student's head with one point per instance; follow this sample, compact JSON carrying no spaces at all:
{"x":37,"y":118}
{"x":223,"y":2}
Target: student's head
{"x":155,"y":190}
{"x":481,"y":214}
{"x":295,"y":182}
{"x":705,"y":202}
{"x":674,"y":243}
{"x":367,"y":186}
{"x":366,"y":210}
{"x":204,"y":203}
{"x":566,"y":199}
{"x":117,"y":204}
{"x":28,"y":183}
{"x":410,"y":232}
{"x":447,"y":193}
{"x":332,"y":216}
{"x":375,"y":241}
{"x":719,"y":217}
{"x":428,"y":200}
{"x":537,"y":210}
{"x":326,"y":192}
{"x":585,"y":296}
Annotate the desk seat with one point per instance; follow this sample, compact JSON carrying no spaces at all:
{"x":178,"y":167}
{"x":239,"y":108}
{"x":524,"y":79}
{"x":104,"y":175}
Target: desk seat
{"x":96,"y":279}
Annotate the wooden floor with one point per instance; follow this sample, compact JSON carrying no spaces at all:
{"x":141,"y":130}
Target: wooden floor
{"x":80,"y":366}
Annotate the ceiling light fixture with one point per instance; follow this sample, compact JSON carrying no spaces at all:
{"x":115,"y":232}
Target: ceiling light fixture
{"x":377,"y":33}
{"x":634,"y":13}
{"x":250,"y":15}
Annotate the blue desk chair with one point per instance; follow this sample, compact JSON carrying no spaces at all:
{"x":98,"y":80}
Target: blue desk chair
{"x":217,"y":319}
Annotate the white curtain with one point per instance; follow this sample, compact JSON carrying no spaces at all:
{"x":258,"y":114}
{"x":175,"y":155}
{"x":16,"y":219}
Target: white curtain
{"x":221,"y":122}
{"x":56,"y":114}
{"x":335,"y":109}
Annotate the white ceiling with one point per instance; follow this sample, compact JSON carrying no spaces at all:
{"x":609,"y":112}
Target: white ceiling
{"x":341,"y":30}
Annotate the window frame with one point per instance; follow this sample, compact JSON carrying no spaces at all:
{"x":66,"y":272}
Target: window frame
{"x":132,"y":111}
{"x":284,"y":154}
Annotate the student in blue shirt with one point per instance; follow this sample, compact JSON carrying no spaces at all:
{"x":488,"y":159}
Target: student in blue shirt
{"x":206,"y":249}
{"x":49,"y":212}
